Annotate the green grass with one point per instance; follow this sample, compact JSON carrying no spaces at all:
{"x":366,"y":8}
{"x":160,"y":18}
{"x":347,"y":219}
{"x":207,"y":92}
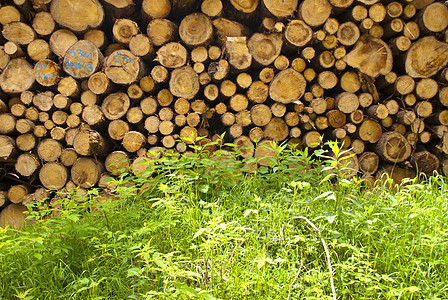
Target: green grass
{"x":196,"y":227}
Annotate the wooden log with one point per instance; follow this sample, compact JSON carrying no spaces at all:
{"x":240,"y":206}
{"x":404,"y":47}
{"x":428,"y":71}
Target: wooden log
{"x":43,"y":23}
{"x":123,"y":67}
{"x":9,"y":14}
{"x":69,"y":87}
{"x":162,"y":31}
{"x":39,"y":131}
{"x":336,"y":118}
{"x":196,"y":30}
{"x":411,"y":30}
{"x":368,"y":162}
{"x":47,"y":72}
{"x":226,"y":28}
{"x":49,"y":150}
{"x":406,"y":117}
{"x":348,"y":33}
{"x":147,"y":84}
{"x":86,"y":172}
{"x":281,"y":62}
{"x":82,"y":59}
{"x":13,"y":216}
{"x":423,"y":109}
{"x":276,"y":129}
{"x":89,"y":142}
{"x":117,"y":163}
{"x":433,"y":18}
{"x":242,"y":11}
{"x":115,"y":106}
{"x":228,"y":119}
{"x":19,"y":33}
{"x":347,"y":102}
{"x":24,"y":126}
{"x":119,"y":9}
{"x":124,"y":29}
{"x":43,"y":101}
{"x":152,"y":124}
{"x":140,"y":45}
{"x":370,"y":131}
{"x":350,"y":82}
{"x":425,"y":162}
{"x":281,"y":90}
{"x":264,"y":153}
{"x":159,"y":9}
{"x":244,"y":146}
{"x":258,"y":92}
{"x":99,"y":83}
{"x":227,"y":89}
{"x":53,"y":175}
{"x":240,"y":58}
{"x":297,"y":34}
{"x":67,"y":14}
{"x":265,"y":48}
{"x":426,"y":57}
{"x":261,"y":114}
{"x":159,"y":74}
{"x":117,"y":129}
{"x":312,"y":139}
{"x":243,"y":118}
{"x":17,"y":109}
{"x":68,"y":157}
{"x":371,"y":56}
{"x":188,"y":135}
{"x":212,"y":8}
{"x":27,"y":164}
{"x":378,"y":111}
{"x":17,"y":77}
{"x":172,"y":55}
{"x":314,"y":13}
{"x":244,"y":80}
{"x":93,"y":115}
{"x":8,"y":122}
{"x":97,"y":37}
{"x":426,"y":88}
{"x":8,"y":148}
{"x":87,"y":98}
{"x":266,"y":75}
{"x":443,"y":96}
{"x":184,"y":82}
{"x":61,"y":40}
{"x":13,"y":50}
{"x":238,"y":102}
{"x":393,"y":147}
{"x":279,"y":10}
{"x":278,"y":109}
{"x":4,"y":201}
{"x":134,"y":115}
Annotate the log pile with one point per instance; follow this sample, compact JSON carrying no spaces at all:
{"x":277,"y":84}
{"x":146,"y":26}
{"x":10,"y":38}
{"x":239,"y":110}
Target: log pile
{"x":89,"y":86}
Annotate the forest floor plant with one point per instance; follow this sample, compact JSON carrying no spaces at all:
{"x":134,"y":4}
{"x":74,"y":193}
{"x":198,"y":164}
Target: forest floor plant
{"x":198,"y":226}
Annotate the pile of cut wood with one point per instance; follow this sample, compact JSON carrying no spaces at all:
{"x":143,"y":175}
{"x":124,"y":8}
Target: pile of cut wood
{"x":89,"y":86}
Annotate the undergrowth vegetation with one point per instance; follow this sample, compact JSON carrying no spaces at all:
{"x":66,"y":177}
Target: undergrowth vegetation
{"x":198,"y":226}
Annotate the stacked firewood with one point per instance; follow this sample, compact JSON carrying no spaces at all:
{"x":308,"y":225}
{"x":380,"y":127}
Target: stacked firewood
{"x":89,"y":86}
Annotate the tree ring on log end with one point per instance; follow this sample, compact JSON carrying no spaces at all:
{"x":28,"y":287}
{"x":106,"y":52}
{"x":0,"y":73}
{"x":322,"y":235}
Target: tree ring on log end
{"x":122,"y":67}
{"x":82,"y":59}
{"x":393,"y":147}
{"x":184,"y":82}
{"x":287,"y":86}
